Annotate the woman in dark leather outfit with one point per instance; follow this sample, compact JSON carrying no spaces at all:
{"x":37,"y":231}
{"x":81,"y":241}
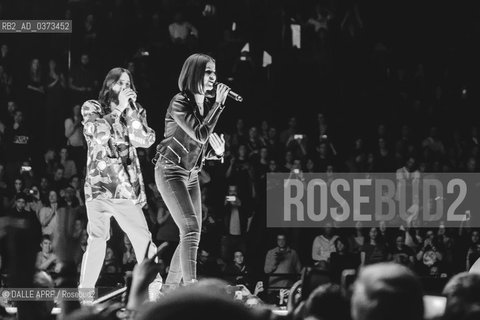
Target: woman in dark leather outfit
{"x":189,"y":141}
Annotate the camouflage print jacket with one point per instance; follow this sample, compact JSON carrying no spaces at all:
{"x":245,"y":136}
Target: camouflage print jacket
{"x":113,"y":168}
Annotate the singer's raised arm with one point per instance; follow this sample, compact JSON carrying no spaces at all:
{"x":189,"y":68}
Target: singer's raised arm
{"x":181,"y":112}
{"x":139,"y":133}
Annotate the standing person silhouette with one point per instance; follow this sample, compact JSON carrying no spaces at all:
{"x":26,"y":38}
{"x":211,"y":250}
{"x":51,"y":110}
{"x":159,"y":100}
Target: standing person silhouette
{"x":189,"y":141}
{"x":114,"y":183}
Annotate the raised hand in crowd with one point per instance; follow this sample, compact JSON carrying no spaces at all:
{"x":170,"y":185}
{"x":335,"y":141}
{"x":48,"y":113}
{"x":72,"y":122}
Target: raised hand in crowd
{"x":143,"y":274}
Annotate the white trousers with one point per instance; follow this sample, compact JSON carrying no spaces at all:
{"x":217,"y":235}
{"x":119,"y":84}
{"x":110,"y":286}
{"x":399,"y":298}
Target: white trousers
{"x":129,"y":217}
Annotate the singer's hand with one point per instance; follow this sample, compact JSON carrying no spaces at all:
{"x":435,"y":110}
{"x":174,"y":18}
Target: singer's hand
{"x":218,"y":143}
{"x":123,"y":97}
{"x":222,"y":93}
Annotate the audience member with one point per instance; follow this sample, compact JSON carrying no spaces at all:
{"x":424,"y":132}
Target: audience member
{"x":82,"y":81}
{"x":430,"y":256}
{"x":236,"y":224}
{"x":374,"y":250}
{"x":238,"y":272}
{"x":75,"y":138}
{"x":182,"y":31}
{"x":46,"y":258}
{"x":324,"y":245}
{"x":462,"y":292}
{"x":403,"y":254}
{"x":207,"y":265}
{"x":48,"y":214}
{"x":128,"y":259}
{"x":17,"y":147}
{"x":387,"y":291}
{"x":282,"y":260}
{"x":202,"y":302}
{"x":342,"y":259}
{"x":54,"y":112}
{"x":327,"y":302}
{"x":69,"y":167}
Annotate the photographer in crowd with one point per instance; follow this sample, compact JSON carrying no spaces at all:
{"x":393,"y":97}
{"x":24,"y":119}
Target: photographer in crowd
{"x":282,"y":260}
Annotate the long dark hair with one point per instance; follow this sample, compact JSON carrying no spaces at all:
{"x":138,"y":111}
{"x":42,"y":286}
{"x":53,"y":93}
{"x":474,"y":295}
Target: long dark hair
{"x":60,"y":202}
{"x":193,"y":71}
{"x":106,"y":94}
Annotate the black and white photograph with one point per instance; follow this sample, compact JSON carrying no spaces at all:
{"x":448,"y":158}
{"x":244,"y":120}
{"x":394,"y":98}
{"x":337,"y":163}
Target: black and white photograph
{"x":239,"y":160}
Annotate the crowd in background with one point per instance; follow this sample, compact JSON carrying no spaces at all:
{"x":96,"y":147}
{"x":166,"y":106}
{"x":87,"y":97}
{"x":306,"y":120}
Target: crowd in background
{"x":362,"y":93}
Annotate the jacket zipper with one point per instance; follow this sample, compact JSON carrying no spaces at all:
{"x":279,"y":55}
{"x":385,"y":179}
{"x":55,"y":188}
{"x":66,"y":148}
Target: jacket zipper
{"x":175,"y":153}
{"x":198,"y":157}
{"x":200,"y":121}
{"x":203,"y":145}
{"x":180,"y":144}
{"x":214,"y":112}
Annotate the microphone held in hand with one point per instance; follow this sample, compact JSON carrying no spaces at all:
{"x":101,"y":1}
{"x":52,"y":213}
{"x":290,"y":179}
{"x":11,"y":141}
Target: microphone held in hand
{"x":132,"y":105}
{"x":233,"y":95}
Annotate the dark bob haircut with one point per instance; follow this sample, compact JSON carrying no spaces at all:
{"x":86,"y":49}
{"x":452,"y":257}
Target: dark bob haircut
{"x":193,"y":70}
{"x":106,"y":94}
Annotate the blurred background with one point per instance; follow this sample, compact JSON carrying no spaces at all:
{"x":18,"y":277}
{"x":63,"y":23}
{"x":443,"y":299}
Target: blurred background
{"x":328,"y":86}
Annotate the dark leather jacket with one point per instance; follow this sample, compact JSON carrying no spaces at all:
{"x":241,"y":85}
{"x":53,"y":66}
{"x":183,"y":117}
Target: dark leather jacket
{"x":187,"y":132}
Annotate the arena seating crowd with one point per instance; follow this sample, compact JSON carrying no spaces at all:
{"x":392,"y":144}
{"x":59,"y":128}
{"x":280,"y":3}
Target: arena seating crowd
{"x":363,"y":92}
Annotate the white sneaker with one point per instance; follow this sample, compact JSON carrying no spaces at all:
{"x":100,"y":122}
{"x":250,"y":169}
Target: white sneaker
{"x":154,"y":288}
{"x":86,"y":301}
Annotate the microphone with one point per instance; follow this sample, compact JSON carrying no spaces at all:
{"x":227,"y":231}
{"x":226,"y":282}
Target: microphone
{"x":132,"y":104}
{"x":233,"y":95}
